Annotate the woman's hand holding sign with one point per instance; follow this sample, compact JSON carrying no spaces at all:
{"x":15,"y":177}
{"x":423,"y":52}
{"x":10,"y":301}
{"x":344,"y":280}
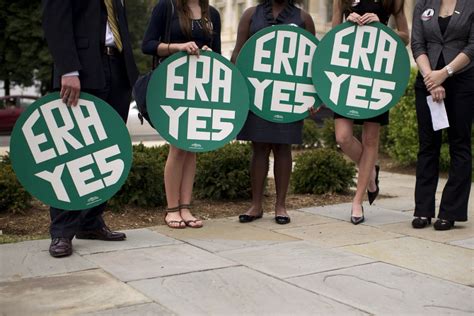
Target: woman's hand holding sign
{"x":364,"y":19}
{"x":368,"y":18}
{"x":354,"y":18}
{"x":313,"y":111}
{"x":190,"y":47}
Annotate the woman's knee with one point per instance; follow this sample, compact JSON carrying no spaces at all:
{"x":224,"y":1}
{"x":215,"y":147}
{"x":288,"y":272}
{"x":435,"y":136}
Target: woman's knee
{"x":177,"y":153}
{"x":371,"y":141}
{"x":371,"y":135}
{"x":282,"y":151}
{"x":261,"y":149}
{"x":343,"y":129}
{"x":344,"y":138}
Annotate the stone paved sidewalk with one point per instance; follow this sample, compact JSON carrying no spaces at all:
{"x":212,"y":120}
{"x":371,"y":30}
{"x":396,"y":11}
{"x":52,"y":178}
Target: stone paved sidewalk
{"x":319,"y":264}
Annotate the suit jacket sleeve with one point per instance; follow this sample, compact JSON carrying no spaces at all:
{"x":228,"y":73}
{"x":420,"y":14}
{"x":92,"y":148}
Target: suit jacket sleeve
{"x":418,"y":42}
{"x":59,"y":34}
{"x":469,"y":49}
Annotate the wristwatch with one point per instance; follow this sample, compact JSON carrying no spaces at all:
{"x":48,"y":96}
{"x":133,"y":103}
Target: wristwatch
{"x":450,"y":71}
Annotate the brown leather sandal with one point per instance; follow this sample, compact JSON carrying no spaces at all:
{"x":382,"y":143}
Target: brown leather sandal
{"x":172,"y":223}
{"x":192,"y":222}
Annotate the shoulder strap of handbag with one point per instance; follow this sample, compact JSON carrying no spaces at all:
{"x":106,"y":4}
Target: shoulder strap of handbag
{"x":169,"y":17}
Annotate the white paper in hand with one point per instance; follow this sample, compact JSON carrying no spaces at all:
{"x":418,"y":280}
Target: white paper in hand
{"x":438,"y":114}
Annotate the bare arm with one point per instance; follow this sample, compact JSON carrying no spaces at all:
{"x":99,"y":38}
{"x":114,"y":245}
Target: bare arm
{"x":458,"y":63}
{"x":336,"y":13}
{"x":437,"y":77}
{"x":401,"y":22}
{"x":167,"y":49}
{"x":308,"y":22}
{"x":423,"y":64}
{"x":243,"y":32}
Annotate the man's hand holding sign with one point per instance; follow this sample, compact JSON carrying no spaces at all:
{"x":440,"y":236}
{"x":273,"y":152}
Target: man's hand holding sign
{"x":71,"y":157}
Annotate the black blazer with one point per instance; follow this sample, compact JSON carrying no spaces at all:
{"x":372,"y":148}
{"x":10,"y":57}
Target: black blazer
{"x":426,"y":37}
{"x":75,"y":33}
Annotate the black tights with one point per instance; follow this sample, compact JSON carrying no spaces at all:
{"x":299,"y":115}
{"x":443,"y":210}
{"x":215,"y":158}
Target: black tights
{"x":259,"y":170}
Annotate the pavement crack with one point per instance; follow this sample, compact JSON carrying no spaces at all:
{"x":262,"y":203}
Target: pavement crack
{"x":361,"y":279}
{"x":24,"y":258}
{"x":450,"y":308}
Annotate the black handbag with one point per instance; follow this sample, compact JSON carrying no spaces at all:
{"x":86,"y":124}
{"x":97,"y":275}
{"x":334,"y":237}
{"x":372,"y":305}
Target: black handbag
{"x":139,"y":95}
{"x":141,"y":85}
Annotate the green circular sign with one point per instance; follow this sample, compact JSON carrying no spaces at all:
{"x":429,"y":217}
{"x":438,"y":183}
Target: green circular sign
{"x":362,"y":71}
{"x":71,"y":158}
{"x":277,"y":63}
{"x":197,"y":103}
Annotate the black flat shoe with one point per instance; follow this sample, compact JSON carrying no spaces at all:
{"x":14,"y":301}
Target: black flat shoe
{"x":443,"y":224}
{"x":357,"y":220}
{"x":103,"y":233}
{"x":282,"y":220}
{"x":373,"y":195}
{"x":244,"y":218}
{"x":421,"y":222}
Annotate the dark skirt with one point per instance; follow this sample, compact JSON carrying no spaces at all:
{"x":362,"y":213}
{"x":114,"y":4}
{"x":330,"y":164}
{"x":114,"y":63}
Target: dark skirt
{"x":259,"y":130}
{"x":382,"y":119}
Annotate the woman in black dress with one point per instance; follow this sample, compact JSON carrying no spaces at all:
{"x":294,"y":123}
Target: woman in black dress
{"x":364,"y":153}
{"x":194,"y":25}
{"x":267,"y":136}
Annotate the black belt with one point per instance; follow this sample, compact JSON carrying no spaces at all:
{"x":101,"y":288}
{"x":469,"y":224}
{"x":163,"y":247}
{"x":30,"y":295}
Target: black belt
{"x":111,"y":51}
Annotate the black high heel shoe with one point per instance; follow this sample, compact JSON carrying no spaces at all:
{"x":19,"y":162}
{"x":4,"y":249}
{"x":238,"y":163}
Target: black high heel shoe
{"x":356,"y":220}
{"x":373,"y":195}
{"x":421,"y":222}
{"x":443,"y":224}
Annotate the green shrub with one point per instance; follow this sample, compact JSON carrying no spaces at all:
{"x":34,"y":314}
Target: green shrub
{"x":322,"y":170}
{"x":145,"y":183}
{"x":383,"y":140}
{"x":311,"y":137}
{"x":402,"y":136}
{"x":224,"y":173}
{"x":13,"y":197}
{"x":328,"y":136}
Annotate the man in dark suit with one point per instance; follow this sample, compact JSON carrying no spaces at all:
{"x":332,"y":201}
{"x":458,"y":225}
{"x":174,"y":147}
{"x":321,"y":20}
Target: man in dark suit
{"x":90,"y":45}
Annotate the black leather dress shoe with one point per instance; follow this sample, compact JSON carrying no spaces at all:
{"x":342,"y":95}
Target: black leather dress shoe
{"x":373,"y":195}
{"x":244,"y":218}
{"x":420,"y":222}
{"x":103,"y":233}
{"x":282,"y":220}
{"x":356,"y":220}
{"x":60,"y":247}
{"x":443,"y":224}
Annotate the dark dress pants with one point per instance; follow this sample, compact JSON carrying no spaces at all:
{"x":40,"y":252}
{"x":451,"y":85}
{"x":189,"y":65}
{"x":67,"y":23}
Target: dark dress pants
{"x":117,"y":93}
{"x":459,"y":104}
